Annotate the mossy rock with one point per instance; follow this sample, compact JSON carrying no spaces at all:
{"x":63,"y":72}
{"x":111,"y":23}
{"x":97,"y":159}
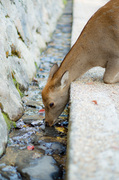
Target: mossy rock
{"x":10,"y":124}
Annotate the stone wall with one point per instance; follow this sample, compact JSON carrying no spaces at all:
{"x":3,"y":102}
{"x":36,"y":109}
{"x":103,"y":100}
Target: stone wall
{"x":25,"y":28}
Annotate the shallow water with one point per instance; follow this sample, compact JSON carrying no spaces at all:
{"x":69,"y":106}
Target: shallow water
{"x":35,"y":151}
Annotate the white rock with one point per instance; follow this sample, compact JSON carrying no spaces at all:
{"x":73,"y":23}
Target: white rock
{"x":25,"y":28}
{"x":3,"y":134}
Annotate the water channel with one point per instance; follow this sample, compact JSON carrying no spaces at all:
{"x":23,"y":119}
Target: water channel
{"x":36,"y":152}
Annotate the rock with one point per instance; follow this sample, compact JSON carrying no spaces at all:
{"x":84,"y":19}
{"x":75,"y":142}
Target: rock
{"x":29,"y":119}
{"x":10,"y":98}
{"x":39,"y":123}
{"x":42,"y":127}
{"x":17,"y":67}
{"x":3,"y":134}
{"x":29,"y":165}
{"x":9,"y":172}
{"x":44,"y":168}
{"x":52,"y":147}
{"x":25,"y":28}
{"x":33,"y":104}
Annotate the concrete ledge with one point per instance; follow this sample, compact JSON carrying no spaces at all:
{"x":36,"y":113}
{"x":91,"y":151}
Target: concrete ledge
{"x":94,"y":118}
{"x":94,"y":130}
{"x":82,"y":11}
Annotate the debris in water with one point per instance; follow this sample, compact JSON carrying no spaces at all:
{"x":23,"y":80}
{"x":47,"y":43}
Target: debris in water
{"x":30,"y":147}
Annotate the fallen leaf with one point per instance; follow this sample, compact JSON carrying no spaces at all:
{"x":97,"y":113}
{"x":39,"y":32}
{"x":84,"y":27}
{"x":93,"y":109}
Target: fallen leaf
{"x":7,"y":54}
{"x":30,"y":147}
{"x":24,"y":126}
{"x":41,"y":111}
{"x":95,"y":102}
{"x":61,"y":129}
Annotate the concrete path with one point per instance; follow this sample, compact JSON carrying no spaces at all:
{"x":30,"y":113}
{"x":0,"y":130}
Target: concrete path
{"x":94,"y":116}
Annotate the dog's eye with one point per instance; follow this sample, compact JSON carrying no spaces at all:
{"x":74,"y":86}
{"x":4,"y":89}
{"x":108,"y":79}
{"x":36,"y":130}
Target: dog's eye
{"x":51,"y":105}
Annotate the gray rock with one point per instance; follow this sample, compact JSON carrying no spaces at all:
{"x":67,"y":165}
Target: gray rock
{"x":3,"y":134}
{"x":52,"y":147}
{"x":9,"y":96}
{"x":25,"y":28}
{"x":44,"y":169}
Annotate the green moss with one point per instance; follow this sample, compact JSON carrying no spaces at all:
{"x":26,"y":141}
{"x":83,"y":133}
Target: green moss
{"x":21,"y":93}
{"x":1,"y":107}
{"x":64,"y":2}
{"x":7,"y":16}
{"x":17,"y":85}
{"x":10,"y":124}
{"x":36,"y":65}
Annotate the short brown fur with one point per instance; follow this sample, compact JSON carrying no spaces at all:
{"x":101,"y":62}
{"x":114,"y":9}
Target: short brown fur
{"x":98,"y":45}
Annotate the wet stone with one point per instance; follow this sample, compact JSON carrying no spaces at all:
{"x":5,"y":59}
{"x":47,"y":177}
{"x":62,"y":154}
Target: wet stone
{"x":42,"y":127}
{"x":33,"y":104}
{"x":9,"y":172}
{"x":30,"y":112}
{"x":38,"y":123}
{"x":22,"y":138}
{"x":44,"y":168}
{"x":30,"y":119}
{"x":46,"y":159}
{"x":52,"y":147}
{"x":62,"y":124}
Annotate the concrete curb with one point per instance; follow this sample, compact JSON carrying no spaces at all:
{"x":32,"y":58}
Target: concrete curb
{"x":94,"y":116}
